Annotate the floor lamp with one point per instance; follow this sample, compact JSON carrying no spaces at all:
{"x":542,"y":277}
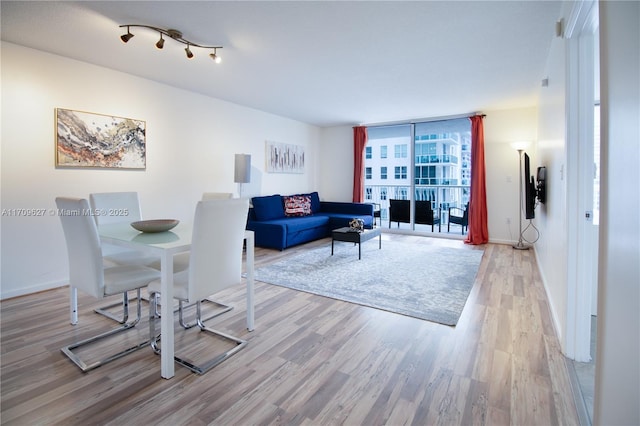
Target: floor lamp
{"x":242,"y":171}
{"x":520,"y":147}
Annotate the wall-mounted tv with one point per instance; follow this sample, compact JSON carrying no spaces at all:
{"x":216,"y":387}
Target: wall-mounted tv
{"x":541,"y":186}
{"x":529,"y":190}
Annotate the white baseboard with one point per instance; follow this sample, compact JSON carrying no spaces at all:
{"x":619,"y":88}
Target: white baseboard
{"x":552,"y":311}
{"x":33,"y":289}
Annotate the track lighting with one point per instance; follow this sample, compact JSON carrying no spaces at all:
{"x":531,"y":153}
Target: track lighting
{"x":126,"y":37}
{"x":215,"y":57}
{"x":175,"y":35}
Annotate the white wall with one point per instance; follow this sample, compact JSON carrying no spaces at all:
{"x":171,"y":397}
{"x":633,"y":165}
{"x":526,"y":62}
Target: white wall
{"x":500,"y":129}
{"x":336,"y":163}
{"x":617,"y":389}
{"x":191,"y":142}
{"x":551,"y":249}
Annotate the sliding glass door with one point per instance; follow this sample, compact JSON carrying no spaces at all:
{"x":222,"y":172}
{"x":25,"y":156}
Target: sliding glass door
{"x":424,"y":161}
{"x":388,"y":166}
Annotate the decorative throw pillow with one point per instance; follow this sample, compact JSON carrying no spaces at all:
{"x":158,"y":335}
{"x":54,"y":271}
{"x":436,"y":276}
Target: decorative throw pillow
{"x":268,"y":207}
{"x":306,"y":205}
{"x":297,"y":205}
{"x":315,"y":202}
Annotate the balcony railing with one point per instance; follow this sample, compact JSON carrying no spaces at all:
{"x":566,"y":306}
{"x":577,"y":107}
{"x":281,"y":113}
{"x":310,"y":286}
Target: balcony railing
{"x":441,"y":196}
{"x":437,"y":159}
{"x":448,"y":182}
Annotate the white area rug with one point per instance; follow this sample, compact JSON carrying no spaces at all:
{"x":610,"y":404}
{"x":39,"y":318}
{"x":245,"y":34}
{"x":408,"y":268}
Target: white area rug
{"x":422,"y":281}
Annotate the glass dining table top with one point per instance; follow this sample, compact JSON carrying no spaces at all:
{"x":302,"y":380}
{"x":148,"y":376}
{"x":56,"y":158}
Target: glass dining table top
{"x":177,"y":237}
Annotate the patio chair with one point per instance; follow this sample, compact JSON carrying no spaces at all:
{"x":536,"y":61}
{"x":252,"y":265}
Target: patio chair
{"x":460,"y":217}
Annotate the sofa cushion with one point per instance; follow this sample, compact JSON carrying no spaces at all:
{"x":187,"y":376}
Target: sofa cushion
{"x":297,"y":224}
{"x":340,"y":220}
{"x":297,"y":205}
{"x":315,"y":202}
{"x":268,"y":207}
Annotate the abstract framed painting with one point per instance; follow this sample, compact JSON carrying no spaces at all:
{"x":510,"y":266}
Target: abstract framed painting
{"x":284,"y":158}
{"x":90,"y":140}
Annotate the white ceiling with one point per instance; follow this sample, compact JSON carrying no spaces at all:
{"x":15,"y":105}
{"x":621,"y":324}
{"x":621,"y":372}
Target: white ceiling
{"x":321,"y":62}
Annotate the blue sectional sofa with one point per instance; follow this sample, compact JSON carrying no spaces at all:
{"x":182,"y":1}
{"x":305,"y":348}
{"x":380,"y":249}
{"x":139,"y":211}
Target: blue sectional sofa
{"x":281,"y":221}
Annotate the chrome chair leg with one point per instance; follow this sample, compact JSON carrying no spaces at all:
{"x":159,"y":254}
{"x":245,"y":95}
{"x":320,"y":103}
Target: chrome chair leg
{"x":104,"y":310}
{"x":154,"y":338}
{"x":180,"y":310}
{"x":84,"y":366}
{"x":185,"y":325}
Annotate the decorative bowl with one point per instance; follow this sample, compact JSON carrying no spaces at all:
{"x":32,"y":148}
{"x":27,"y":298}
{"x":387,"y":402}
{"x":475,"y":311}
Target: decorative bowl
{"x":155,"y":225}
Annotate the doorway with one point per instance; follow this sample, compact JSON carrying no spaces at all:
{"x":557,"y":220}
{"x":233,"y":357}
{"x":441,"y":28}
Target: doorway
{"x":583,"y":195}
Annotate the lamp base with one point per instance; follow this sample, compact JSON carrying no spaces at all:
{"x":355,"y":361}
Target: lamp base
{"x":520,"y":246}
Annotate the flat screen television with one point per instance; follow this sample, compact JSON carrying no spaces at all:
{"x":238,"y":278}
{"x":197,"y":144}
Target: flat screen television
{"x":529,"y":190}
{"x":541,"y":186}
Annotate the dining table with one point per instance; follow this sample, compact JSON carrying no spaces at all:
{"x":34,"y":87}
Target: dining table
{"x":166,"y":245}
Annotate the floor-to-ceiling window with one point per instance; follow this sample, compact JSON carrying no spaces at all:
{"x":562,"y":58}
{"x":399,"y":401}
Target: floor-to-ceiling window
{"x":428,"y":161}
{"x":390,"y":148}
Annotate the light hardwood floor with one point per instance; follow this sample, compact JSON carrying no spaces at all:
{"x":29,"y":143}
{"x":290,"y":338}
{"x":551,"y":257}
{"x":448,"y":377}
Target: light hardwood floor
{"x":311,"y":360}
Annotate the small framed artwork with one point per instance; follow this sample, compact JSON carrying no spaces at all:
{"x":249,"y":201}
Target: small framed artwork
{"x":284,"y":158}
{"x":85,"y":139}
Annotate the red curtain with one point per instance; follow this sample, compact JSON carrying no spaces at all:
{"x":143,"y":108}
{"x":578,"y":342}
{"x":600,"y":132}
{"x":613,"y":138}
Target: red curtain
{"x":359,"y":143}
{"x":478,"y":230}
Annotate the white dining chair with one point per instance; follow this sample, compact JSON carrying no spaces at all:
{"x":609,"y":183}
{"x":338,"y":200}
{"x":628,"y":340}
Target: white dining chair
{"x":215,"y":264}
{"x":88,"y":273}
{"x":120,"y":207}
{"x":206,"y":196}
{"x":181,"y":262}
{"x":184,"y":264}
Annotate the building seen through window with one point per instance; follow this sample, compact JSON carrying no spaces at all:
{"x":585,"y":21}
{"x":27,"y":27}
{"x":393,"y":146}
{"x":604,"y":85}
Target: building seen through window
{"x":431,"y":161}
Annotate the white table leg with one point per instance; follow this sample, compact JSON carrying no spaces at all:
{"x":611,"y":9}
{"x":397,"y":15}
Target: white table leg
{"x":250,"y":238}
{"x":166,"y":318}
{"x":73,"y":305}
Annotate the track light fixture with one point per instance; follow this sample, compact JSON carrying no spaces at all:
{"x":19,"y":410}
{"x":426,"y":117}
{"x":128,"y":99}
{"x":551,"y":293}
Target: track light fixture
{"x":175,"y":35}
{"x":215,"y":56}
{"x":189,"y":52}
{"x":126,"y":37}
